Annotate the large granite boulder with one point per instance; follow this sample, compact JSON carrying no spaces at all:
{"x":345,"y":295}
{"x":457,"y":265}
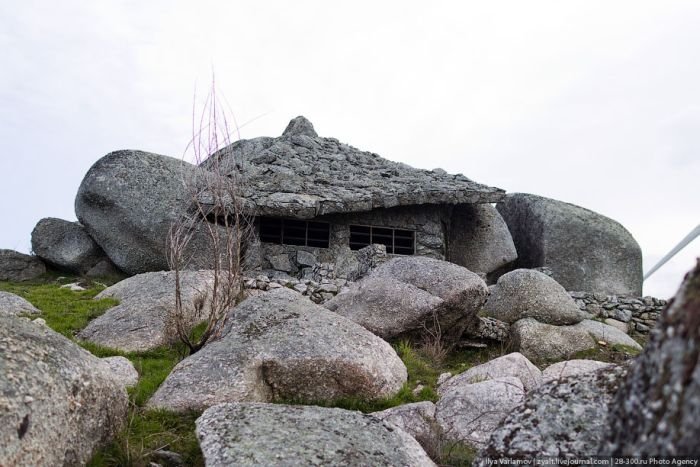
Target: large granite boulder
{"x":141,"y":321}
{"x":469,"y":412}
{"x":11,"y":304}
{"x":542,"y":342}
{"x":254,"y":434}
{"x":514,"y":364}
{"x":566,"y":418}
{"x":281,"y":346}
{"x":657,"y":409}
{"x":602,"y":332}
{"x":525,"y":293}
{"x":65,"y":245}
{"x":479,"y":238}
{"x":58,"y":402}
{"x":18,"y":267}
{"x":128,"y":202}
{"x":416,"y":419}
{"x":568,"y":368}
{"x":585,"y":250}
{"x":407,"y":294}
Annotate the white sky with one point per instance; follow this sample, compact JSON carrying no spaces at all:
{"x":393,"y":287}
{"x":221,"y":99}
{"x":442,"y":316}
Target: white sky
{"x":591,"y":102}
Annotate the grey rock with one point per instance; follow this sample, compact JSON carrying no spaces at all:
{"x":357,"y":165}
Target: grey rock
{"x":514,"y":364}
{"x":657,"y":409}
{"x":545,"y":342}
{"x":622,"y":315}
{"x":606,"y":333}
{"x":18,"y":267}
{"x":123,"y":370}
{"x":280,"y":262}
{"x":354,"y":265}
{"x":248,"y":434}
{"x":105,"y":268}
{"x":141,"y":320}
{"x":567,"y":368}
{"x":417,"y":419}
{"x":624,"y":327}
{"x":406,"y":294}
{"x":300,"y":126}
{"x":479,"y":239}
{"x":562,"y":419}
{"x":305,"y":258}
{"x":280,"y":346}
{"x":525,"y":293}
{"x":304,"y":176}
{"x":585,"y":250}
{"x":470,"y":412}
{"x":11,"y":304}
{"x":58,"y":402}
{"x":128,"y":201}
{"x":65,"y":245}
{"x":489,"y":329}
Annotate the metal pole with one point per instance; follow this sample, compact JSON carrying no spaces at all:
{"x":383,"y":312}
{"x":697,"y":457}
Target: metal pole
{"x":688,"y":238}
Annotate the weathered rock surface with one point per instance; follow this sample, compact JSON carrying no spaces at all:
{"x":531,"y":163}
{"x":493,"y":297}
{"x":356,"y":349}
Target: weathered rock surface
{"x":57,"y":401}
{"x":564,"y":418}
{"x":18,"y":267}
{"x":65,"y":245}
{"x":280,"y":346}
{"x":417,"y":419}
{"x":546,"y":342}
{"x":249,"y":434}
{"x":128,"y":201}
{"x":301,"y":175}
{"x":479,"y":239}
{"x":657,"y":410}
{"x":525,"y":293}
{"x":406,"y":294}
{"x":606,"y":333}
{"x":585,"y":250}
{"x":567,"y":368}
{"x":123,"y":370}
{"x":141,"y":320}
{"x":514,"y":364}
{"x":470,"y":412}
{"x":11,"y":304}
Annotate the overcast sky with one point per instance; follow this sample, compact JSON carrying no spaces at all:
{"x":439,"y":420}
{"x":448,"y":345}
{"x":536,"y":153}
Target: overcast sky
{"x":592,"y":102}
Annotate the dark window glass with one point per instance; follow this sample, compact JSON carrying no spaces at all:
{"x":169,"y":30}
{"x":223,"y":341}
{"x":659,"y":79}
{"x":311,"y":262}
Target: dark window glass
{"x":400,"y":242}
{"x":294,"y":232}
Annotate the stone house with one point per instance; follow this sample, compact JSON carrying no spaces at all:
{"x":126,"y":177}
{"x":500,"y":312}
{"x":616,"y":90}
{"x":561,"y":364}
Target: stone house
{"x":319,"y":201}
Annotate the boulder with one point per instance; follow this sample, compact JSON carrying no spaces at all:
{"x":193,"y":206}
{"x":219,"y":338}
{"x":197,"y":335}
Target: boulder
{"x":281,"y":346}
{"x":545,"y":342}
{"x":58,"y":402}
{"x":105,"y":268}
{"x":417,"y":419}
{"x":606,"y":333}
{"x":567,"y":368}
{"x":123,"y":370}
{"x":407,"y":294}
{"x":249,"y":434}
{"x":141,"y":321}
{"x":657,"y":409}
{"x":128,"y":202}
{"x":479,"y":238}
{"x":513,"y":364}
{"x":469,"y":413}
{"x":65,"y":245}
{"x":562,"y":419}
{"x":585,"y":250}
{"x":18,"y":267}
{"x":525,"y":293}
{"x":300,"y":126}
{"x":11,"y":304}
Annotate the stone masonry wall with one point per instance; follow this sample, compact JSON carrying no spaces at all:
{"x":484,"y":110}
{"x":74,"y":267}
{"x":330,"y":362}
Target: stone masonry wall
{"x":639,"y":313}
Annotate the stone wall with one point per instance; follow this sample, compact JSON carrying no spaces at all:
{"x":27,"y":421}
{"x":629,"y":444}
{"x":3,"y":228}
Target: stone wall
{"x":640,"y":314}
{"x":299,"y":261}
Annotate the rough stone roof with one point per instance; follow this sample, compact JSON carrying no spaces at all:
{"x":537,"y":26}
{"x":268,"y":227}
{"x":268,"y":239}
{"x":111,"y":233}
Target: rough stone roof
{"x":302,"y":175}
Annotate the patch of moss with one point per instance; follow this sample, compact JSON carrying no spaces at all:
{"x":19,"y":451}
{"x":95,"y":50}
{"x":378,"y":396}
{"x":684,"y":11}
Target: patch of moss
{"x":617,"y":353}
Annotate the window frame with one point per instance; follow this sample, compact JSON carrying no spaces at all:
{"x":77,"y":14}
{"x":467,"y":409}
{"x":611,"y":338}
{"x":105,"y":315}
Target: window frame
{"x":393,"y":238}
{"x":281,"y":233}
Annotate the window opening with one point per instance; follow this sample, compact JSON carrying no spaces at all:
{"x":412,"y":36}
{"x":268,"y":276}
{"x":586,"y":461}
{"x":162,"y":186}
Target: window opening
{"x":294,"y":232}
{"x":397,"y":241}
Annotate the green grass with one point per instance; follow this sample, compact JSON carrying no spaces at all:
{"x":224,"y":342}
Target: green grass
{"x":617,"y":353}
